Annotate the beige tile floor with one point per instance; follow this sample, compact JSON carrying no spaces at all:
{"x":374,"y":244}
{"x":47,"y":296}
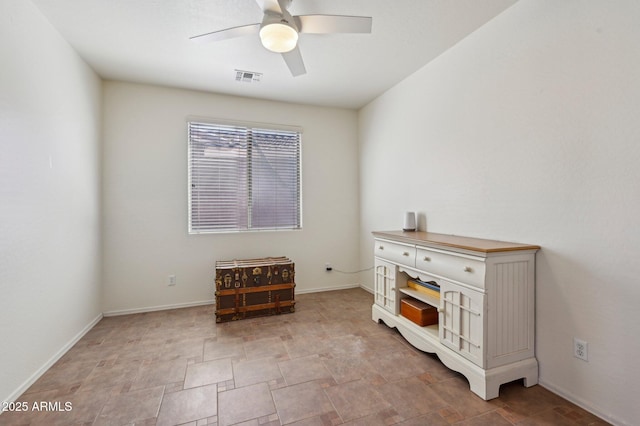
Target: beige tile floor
{"x":325,"y":364}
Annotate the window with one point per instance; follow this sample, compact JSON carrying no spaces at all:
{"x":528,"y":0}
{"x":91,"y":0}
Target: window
{"x":243,"y":178}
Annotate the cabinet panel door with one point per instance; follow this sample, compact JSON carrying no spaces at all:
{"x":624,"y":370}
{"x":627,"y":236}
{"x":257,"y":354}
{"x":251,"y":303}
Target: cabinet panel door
{"x":462,"y":321}
{"x":385,"y":285}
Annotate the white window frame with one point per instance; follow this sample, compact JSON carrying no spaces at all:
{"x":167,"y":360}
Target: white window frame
{"x":196,"y":225}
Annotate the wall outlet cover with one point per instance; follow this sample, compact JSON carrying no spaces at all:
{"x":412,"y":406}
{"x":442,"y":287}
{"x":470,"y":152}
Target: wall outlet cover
{"x":580,"y":349}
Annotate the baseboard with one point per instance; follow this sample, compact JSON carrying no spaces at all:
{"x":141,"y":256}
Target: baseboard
{"x":367,"y":289}
{"x":43,"y":369}
{"x":211,"y":302}
{"x":580,"y":402}
{"x":321,"y":289}
{"x":157,"y":308}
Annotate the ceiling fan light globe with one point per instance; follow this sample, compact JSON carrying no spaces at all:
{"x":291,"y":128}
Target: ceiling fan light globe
{"x":279,"y":37}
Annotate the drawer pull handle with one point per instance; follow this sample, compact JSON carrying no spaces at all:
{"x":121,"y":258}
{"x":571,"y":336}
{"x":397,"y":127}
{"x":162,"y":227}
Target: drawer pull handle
{"x":427,"y":259}
{"x":381,"y":248}
{"x":406,"y":253}
{"x":468,"y":269}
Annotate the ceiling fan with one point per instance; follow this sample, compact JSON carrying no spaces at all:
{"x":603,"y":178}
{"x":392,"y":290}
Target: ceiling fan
{"x":279,"y":30}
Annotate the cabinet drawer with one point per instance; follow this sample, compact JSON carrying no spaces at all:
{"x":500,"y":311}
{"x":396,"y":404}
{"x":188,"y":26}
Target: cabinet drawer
{"x":396,"y":252}
{"x":464,"y":269}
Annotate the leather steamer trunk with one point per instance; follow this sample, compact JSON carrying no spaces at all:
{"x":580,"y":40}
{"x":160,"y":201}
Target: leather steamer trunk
{"x":254,"y":287}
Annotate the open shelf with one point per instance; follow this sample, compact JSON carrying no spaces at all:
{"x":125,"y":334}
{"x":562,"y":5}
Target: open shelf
{"x":431,"y":331}
{"x":433,"y":301}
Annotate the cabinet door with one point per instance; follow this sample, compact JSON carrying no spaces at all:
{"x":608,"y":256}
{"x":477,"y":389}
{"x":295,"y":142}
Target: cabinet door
{"x":462,"y":321}
{"x":385,"y":285}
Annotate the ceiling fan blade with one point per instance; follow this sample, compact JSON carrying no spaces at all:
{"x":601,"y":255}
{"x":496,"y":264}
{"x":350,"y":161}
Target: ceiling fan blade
{"x":294,"y":62}
{"x":327,"y":24}
{"x":228,"y":33}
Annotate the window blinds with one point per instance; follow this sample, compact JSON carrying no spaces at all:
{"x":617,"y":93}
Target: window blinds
{"x":243,"y":178}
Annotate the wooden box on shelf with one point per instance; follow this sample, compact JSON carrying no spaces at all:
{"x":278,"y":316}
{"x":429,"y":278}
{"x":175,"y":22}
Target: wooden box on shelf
{"x":418,"y":312}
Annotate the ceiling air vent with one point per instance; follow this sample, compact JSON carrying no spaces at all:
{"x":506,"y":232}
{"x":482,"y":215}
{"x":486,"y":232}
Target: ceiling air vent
{"x":248,"y":76}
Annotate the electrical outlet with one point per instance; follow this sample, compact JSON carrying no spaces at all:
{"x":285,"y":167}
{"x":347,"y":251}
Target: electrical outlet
{"x":172,"y":280}
{"x":327,"y":267}
{"x":580,"y":349}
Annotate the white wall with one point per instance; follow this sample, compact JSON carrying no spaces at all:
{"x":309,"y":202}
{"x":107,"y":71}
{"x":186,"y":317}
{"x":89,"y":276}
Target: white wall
{"x":529,"y":131}
{"x":145,"y":197}
{"x":49,"y":196}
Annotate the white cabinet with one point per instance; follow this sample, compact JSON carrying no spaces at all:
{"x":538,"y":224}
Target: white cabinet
{"x":486,"y":305}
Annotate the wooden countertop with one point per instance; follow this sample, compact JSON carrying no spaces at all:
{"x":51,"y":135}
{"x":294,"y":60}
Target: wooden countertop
{"x":431,"y":239}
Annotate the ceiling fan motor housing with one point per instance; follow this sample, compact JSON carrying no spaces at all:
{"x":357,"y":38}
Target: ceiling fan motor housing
{"x":278,"y":34}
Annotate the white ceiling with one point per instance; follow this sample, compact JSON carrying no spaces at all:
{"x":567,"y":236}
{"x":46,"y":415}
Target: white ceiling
{"x":147,"y":41}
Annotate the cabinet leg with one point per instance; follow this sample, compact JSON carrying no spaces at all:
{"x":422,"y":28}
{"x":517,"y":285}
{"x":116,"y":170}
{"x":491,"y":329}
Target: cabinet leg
{"x":485,"y":389}
{"x":531,"y":379}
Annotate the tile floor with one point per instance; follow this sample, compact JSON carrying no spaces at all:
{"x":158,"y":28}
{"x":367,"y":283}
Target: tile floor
{"x":325,"y":364}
